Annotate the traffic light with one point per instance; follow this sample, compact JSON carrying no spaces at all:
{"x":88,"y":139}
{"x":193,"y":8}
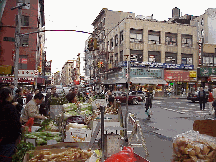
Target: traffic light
{"x":102,"y":65}
{"x":96,"y":45}
{"x":99,"y":64}
{"x":91,"y":44}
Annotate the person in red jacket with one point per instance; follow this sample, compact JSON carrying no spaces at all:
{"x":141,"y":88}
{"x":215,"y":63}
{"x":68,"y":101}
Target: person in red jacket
{"x":210,"y":99}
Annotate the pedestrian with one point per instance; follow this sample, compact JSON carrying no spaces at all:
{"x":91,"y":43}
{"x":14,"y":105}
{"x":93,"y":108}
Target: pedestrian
{"x":18,"y":100}
{"x":71,"y":97}
{"x":202,"y":98}
{"x":148,"y":103}
{"x":214,"y":106}
{"x":29,"y":96}
{"x":32,"y":110}
{"x":49,"y":97}
{"x":10,"y":126}
{"x":210,"y":99}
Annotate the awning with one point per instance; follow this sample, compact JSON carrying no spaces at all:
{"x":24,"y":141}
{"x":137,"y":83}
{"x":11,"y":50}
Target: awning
{"x":109,"y":81}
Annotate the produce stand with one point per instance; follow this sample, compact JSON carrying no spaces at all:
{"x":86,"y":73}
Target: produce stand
{"x":84,"y":126}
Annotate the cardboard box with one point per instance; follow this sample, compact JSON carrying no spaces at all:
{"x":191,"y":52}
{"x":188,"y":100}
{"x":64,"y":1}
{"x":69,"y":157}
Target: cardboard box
{"x":205,"y":127}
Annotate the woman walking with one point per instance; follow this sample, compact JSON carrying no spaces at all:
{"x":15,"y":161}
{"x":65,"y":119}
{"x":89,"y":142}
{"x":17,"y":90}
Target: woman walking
{"x":10,"y":126}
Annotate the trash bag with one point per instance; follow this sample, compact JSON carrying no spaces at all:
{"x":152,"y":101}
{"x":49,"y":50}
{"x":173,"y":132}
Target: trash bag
{"x":126,"y":155}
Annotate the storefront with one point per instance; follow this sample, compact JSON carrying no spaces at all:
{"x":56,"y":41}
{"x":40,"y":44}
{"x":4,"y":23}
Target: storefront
{"x":177,"y":81}
{"x":193,"y":84}
{"x":206,"y":75}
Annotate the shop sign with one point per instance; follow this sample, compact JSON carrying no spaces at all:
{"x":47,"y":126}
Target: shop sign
{"x":159,"y":65}
{"x":141,"y":72}
{"x":193,"y":79}
{"x":193,"y":74}
{"x":200,"y":53}
{"x":206,"y":71}
{"x":176,"y":75}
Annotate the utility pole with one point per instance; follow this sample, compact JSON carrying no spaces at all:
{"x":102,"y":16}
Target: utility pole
{"x":128,"y":82}
{"x":17,"y":41}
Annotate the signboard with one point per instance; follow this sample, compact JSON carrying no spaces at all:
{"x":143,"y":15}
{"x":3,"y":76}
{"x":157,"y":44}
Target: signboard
{"x":176,"y":75}
{"x":200,"y":52}
{"x":159,"y":65}
{"x":206,"y":71}
{"x":141,"y":72}
{"x":193,"y":74}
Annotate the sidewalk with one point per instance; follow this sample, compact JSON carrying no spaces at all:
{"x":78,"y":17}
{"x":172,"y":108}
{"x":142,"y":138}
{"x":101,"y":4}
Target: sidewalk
{"x":171,"y":97}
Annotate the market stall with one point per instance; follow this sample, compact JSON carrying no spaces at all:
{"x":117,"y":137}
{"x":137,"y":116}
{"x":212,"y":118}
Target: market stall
{"x":77,"y":132}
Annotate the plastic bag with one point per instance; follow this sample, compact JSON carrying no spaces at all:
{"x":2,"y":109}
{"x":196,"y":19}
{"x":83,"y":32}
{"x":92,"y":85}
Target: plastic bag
{"x":126,"y":155}
{"x":194,"y":146}
{"x":29,"y":124}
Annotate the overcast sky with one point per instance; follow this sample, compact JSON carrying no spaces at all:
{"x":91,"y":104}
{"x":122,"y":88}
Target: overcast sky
{"x":79,"y":15}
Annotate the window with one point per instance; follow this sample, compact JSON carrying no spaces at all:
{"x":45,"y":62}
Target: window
{"x":111,"y":59}
{"x":121,"y":37}
{"x":136,"y":35}
{"x":22,"y":65}
{"x":187,"y":40}
{"x":24,"y":20}
{"x":187,"y":59}
{"x":202,"y":33}
{"x":170,"y":58}
{"x":209,"y":59}
{"x":25,"y":40}
{"x":136,"y":55}
{"x":111,"y":43}
{"x":116,"y":40}
{"x":9,"y":39}
{"x":116,"y":59}
{"x":202,"y":22}
{"x":153,"y":37}
{"x":171,"y":39}
{"x":154,"y":56}
{"x":121,"y":56}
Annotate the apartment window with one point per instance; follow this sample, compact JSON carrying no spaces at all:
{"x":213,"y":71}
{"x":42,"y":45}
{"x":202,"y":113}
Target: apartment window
{"x":154,"y":56}
{"x":170,"y":58}
{"x":171,"y":39}
{"x":116,"y":59}
{"x":153,"y":37}
{"x":121,"y":56}
{"x":136,"y":55}
{"x":111,"y":59}
{"x":136,"y":35}
{"x":116,"y":40}
{"x":24,"y":20}
{"x":187,"y":59}
{"x":9,"y":39}
{"x":202,"y":22}
{"x":187,"y":40}
{"x":202,"y":33}
{"x":25,"y":41}
{"x":209,"y":59}
{"x":108,"y":45}
{"x":22,"y":65}
{"x":111,"y":43}
{"x":121,"y":37}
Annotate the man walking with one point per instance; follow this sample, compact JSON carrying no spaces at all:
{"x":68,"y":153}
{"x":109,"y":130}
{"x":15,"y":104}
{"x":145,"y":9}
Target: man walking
{"x":202,"y":98}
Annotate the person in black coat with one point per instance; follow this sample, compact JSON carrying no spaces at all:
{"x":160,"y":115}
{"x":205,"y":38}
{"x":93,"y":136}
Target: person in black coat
{"x":48,"y":98}
{"x":148,"y":103}
{"x":202,"y":98}
{"x":10,"y":126}
{"x":18,"y":99}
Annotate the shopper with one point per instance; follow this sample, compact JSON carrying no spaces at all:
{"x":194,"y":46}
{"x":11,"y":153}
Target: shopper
{"x":32,"y":110}
{"x":71,"y":97}
{"x":202,"y":98}
{"x":49,"y":96}
{"x":18,"y":100}
{"x":148,"y":103}
{"x":10,"y":127}
{"x":29,"y":96}
{"x":210,"y":99}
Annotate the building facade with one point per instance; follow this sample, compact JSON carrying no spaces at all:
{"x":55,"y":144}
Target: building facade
{"x":32,"y":45}
{"x":66,"y":74}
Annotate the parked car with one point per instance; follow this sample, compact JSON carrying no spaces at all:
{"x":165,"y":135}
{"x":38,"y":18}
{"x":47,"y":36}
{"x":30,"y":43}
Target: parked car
{"x":139,"y":93}
{"x":194,"y":96}
{"x":132,"y":98}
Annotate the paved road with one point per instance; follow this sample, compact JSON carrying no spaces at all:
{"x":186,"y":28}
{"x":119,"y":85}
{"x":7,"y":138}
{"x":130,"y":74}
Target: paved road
{"x":170,"y":118}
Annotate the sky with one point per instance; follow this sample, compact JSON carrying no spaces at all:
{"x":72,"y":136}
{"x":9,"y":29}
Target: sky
{"x":79,"y":15}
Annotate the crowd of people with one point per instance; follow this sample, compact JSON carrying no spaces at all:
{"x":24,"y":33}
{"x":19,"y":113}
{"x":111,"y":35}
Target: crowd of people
{"x":15,"y":113}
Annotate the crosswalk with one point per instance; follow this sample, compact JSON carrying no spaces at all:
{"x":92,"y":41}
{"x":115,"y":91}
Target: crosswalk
{"x":190,"y":109}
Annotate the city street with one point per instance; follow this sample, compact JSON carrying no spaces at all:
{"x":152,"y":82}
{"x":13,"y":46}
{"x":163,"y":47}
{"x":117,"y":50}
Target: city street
{"x":170,"y":118}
